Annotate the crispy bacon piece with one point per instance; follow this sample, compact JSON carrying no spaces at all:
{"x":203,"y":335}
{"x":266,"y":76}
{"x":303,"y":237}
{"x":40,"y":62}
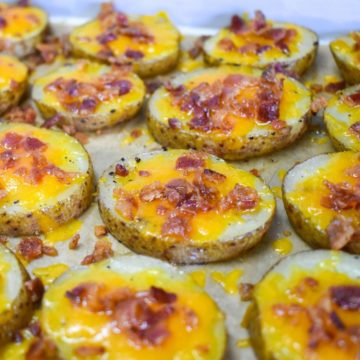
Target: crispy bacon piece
{"x":341,"y":232}
{"x":342,"y":196}
{"x":319,"y":103}
{"x":353,"y":171}
{"x":36,"y":290}
{"x":144,"y":173}
{"x":346,"y":297}
{"x":237,"y":24}
{"x":174,"y":123}
{"x":152,"y":192}
{"x":102,"y":250}
{"x":355,"y":129}
{"x":240,"y":198}
{"x":30,"y":248}
{"x":41,"y":348}
{"x":176,"y":225}
{"x":74,"y":242}
{"x":213,"y":176}
{"x":100,"y":230}
{"x":197,"y":47}
{"x":190,"y":162}
{"x":121,"y":170}
{"x":126,"y":204}
{"x":21,"y":114}
{"x":352,"y":99}
{"x":333,"y":87}
{"x":246,"y":291}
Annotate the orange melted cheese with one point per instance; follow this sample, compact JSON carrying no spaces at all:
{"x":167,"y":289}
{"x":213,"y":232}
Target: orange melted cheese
{"x":166,"y":38}
{"x":62,"y":151}
{"x":4,"y":270}
{"x":287,"y":337}
{"x":71,"y":327}
{"x":205,"y":226}
{"x":11,"y":70}
{"x":346,"y":47}
{"x":292,"y":95}
{"x":308,"y":194}
{"x":21,"y":21}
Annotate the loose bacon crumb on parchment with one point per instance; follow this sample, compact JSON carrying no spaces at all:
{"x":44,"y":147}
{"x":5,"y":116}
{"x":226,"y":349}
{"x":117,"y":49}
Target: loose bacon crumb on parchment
{"x":32,"y":247}
{"x":74,"y":242}
{"x":102,"y":250}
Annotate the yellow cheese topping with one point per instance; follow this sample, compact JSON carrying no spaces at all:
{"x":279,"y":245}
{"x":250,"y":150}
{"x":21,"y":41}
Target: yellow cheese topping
{"x":294,"y":99}
{"x":228,"y":281}
{"x":205,"y":226}
{"x":64,"y":232}
{"x":272,"y":54}
{"x":308,"y":193}
{"x":5,"y":267}
{"x":287,"y":337}
{"x":21,"y":21}
{"x":166,"y":38}
{"x":88,"y":72}
{"x":70,"y":326}
{"x":345,"y":47}
{"x":62,"y":151}
{"x":282,"y":246}
{"x":11,"y":70}
{"x":48,"y":274}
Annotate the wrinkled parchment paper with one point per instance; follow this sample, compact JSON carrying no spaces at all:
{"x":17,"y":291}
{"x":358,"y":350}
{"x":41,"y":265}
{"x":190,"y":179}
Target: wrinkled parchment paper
{"x":116,"y":142}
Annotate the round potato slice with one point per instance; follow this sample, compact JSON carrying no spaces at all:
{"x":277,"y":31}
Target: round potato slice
{"x":307,"y":306}
{"x":149,"y":42}
{"x":259,"y":43}
{"x":22,"y":28}
{"x":15,"y":300}
{"x":346,"y":52}
{"x":342,"y":119}
{"x":184,"y":206}
{"x":89,"y":96}
{"x":232,"y":112}
{"x":321,"y":198}
{"x":13,"y":81}
{"x":132,"y":308}
{"x":46,"y":179}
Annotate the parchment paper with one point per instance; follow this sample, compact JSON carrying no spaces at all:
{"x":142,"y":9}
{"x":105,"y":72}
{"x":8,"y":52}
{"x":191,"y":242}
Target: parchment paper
{"x":114,"y":143}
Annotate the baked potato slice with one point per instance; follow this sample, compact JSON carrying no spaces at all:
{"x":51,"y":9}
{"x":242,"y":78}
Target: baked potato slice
{"x":22,"y":28}
{"x":232,"y":112}
{"x":184,"y":206}
{"x":46,"y":179}
{"x":15,"y":300}
{"x":149,"y":42}
{"x":13,"y":81}
{"x":259,"y":43}
{"x":341,"y":118}
{"x":175,"y":318}
{"x":89,"y":95}
{"x":346,"y":53}
{"x":321,"y":198}
{"x":307,"y":306}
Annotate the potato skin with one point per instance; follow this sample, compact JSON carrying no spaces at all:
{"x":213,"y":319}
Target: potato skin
{"x":181,"y":252}
{"x":313,"y":236}
{"x":27,"y":223}
{"x":20,"y":313}
{"x":11,"y":97}
{"x":349,"y":72}
{"x":230,"y":148}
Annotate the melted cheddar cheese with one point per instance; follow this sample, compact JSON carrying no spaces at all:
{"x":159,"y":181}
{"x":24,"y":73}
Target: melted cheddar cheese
{"x":308,"y":193}
{"x":166,"y":38}
{"x":48,"y":274}
{"x":205,"y":226}
{"x":344,"y":47}
{"x":61,"y":150}
{"x":88,"y":72}
{"x":71,"y":327}
{"x":295,"y":101}
{"x":288,"y":336}
{"x":5,"y":267}
{"x":21,"y":21}
{"x":11,"y":70}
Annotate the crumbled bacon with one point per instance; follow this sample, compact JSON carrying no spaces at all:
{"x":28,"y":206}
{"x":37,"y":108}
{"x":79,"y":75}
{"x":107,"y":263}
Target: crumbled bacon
{"x":74,"y":242}
{"x":121,"y":170}
{"x":140,"y":315}
{"x":36,"y":290}
{"x":21,"y":114}
{"x":246,"y":291}
{"x":237,"y":24}
{"x":255,"y":172}
{"x":190,"y":162}
{"x":352,"y":99}
{"x":346,"y":297}
{"x":41,"y":348}
{"x":49,"y":250}
{"x":100,"y":230}
{"x":30,"y":248}
{"x":144,"y":173}
{"x":354,"y":171}
{"x":333,"y":87}
{"x":3,"y":22}
{"x":197,"y":47}
{"x":174,"y":123}
{"x":176,"y":225}
{"x":126,"y":204}
{"x":355,"y":129}
{"x":213,"y":176}
{"x":241,"y":198}
{"x":319,"y":103}
{"x":102,"y":250}
{"x":152,"y":86}
{"x":341,"y":232}
{"x":152,"y":192}
{"x":52,"y":121}
{"x":89,"y":350}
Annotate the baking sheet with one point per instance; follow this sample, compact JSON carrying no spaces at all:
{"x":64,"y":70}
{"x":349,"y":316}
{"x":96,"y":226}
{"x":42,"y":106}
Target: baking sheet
{"x":109,"y":146}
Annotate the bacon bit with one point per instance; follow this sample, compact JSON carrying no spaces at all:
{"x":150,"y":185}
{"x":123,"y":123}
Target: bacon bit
{"x":81,"y":137}
{"x":279,"y":124}
{"x":35,"y":328}
{"x":102,"y":250}
{"x":152,"y":86}
{"x":355,"y":129}
{"x":30,"y":248}
{"x":177,"y":190}
{"x":255,"y":172}
{"x":126,"y":204}
{"x":319,"y":103}
{"x":197,"y":48}
{"x":352,"y":99}
{"x":226,"y":45}
{"x":174,"y":123}
{"x":49,"y":251}
{"x":333,"y":87}
{"x":213,"y":176}
{"x":144,"y":173}
{"x":176,"y":225}
{"x":36,"y":289}
{"x":246,"y":291}
{"x":346,"y":297}
{"x":100,"y":230}
{"x":134,"y":54}
{"x":316,"y":88}
{"x":353,"y":171}
{"x":89,"y":350}
{"x":342,"y":196}
{"x":3,"y":22}
{"x":152,"y":192}
{"x":74,"y":242}
{"x":340,"y":232}
{"x":121,"y":170}
{"x":241,"y":198}
{"x":54,"y":120}
{"x":191,"y":319}
{"x":287,"y":310}
{"x":21,"y":114}
{"x":41,"y":349}
{"x":190,"y":162}
{"x":136,"y":133}
{"x":237,"y":24}
{"x":305,"y":284}
{"x":162,"y":210}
